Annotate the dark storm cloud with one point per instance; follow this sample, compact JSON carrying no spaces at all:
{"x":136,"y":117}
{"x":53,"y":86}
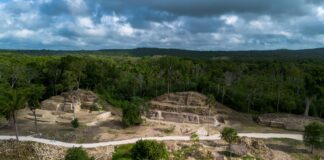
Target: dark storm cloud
{"x":142,"y":16}
{"x":212,"y":7}
{"x":312,"y":27}
{"x":202,"y":25}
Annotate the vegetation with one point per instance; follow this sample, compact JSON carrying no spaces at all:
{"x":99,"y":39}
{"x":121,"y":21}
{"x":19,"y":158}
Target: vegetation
{"x":150,"y":150}
{"x":77,"y":154}
{"x":11,"y":101}
{"x":248,"y":157}
{"x":35,"y":95}
{"x":142,"y":149}
{"x":132,"y":113}
{"x":123,"y":152}
{"x":194,"y":138}
{"x":314,"y":135}
{"x":250,"y":81}
{"x":193,"y":151}
{"x":230,"y":136}
{"x":75,"y":123}
{"x":253,"y":85}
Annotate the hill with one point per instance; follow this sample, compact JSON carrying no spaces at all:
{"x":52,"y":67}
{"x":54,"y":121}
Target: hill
{"x":280,"y":54}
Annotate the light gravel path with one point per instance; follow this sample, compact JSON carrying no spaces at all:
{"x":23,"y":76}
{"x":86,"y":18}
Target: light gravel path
{"x":166,"y":138}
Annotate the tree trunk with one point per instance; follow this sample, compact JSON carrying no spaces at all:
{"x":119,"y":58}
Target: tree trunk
{"x":223,"y":94}
{"x":230,"y":150}
{"x":278,"y":100}
{"x":155,"y":88}
{"x":248,"y":103}
{"x":308,"y":102}
{"x":15,"y":125}
{"x":168,"y":86}
{"x":10,"y":120}
{"x":35,"y":120}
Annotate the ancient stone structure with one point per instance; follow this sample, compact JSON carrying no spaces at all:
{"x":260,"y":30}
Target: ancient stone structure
{"x":70,"y":101}
{"x":286,"y":121}
{"x":182,"y":107}
{"x":65,"y":107}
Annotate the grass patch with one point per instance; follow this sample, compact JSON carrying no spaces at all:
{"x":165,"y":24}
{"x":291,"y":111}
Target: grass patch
{"x":122,"y":152}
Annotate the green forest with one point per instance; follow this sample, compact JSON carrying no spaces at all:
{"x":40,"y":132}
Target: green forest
{"x":253,"y":85}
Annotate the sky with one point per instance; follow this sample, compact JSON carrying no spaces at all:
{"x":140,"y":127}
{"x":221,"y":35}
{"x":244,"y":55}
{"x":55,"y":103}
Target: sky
{"x":183,"y":24}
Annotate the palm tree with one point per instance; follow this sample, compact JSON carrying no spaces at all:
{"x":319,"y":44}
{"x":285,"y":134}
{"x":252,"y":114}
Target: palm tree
{"x":12,"y":100}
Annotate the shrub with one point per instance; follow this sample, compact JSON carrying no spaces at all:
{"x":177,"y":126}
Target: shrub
{"x":229,"y":135}
{"x":123,"y":152}
{"x":194,"y":138}
{"x":75,"y":123}
{"x":132,"y":114}
{"x":77,"y":154}
{"x":149,"y":150}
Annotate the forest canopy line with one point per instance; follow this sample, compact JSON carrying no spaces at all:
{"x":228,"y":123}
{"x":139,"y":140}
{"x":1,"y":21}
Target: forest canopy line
{"x":281,"y":54}
{"x":246,"y":85}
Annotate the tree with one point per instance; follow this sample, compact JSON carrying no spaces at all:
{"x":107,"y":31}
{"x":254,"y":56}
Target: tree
{"x":35,"y":93}
{"x":53,"y":73}
{"x":230,"y":136}
{"x":314,"y":87}
{"x":75,"y":123}
{"x":149,"y":150}
{"x":12,"y":100}
{"x":229,"y":78}
{"x":314,"y":135}
{"x":77,"y":154}
{"x":211,"y":101}
{"x":132,"y":113}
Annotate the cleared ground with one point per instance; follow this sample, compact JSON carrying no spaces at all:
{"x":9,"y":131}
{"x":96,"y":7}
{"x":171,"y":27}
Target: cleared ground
{"x":112,"y":129}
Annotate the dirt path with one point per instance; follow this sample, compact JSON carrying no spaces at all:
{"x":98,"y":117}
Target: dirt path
{"x":166,"y":138}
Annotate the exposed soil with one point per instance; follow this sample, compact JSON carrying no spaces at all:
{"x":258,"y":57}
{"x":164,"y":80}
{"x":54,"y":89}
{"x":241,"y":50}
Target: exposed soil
{"x":114,"y":130}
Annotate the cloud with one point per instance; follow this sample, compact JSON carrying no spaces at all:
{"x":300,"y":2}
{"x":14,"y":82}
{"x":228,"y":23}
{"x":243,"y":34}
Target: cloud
{"x":188,"y":24}
{"x":320,"y":13}
{"x":229,"y":19}
{"x":213,"y":7}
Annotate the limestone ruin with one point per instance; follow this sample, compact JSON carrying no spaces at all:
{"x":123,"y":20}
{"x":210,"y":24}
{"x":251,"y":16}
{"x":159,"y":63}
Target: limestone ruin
{"x":64,"y":107}
{"x":182,"y":107}
{"x":286,"y":121}
{"x":70,"y":101}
